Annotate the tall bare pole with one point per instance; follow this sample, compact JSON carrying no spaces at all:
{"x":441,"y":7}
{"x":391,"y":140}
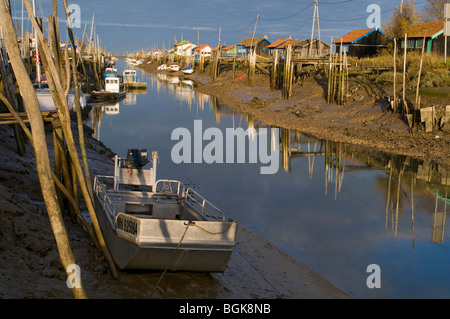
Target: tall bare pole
{"x":316,"y":14}
{"x":39,"y":144}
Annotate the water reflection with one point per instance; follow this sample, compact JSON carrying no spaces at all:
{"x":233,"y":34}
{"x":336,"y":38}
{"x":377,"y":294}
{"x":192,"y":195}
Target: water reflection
{"x":334,"y":206}
{"x":405,"y":177}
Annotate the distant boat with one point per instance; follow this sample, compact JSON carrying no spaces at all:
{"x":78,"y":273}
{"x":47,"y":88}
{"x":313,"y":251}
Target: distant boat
{"x":111,"y":92}
{"x":188,"y":70}
{"x":162,"y":67}
{"x":110,"y":72}
{"x":159,"y":224}
{"x":129,"y":76}
{"x":173,"y":67}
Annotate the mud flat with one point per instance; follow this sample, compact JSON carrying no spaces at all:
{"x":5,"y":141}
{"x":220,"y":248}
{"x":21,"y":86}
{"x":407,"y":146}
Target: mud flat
{"x":30,"y":267}
{"x":362,"y":120}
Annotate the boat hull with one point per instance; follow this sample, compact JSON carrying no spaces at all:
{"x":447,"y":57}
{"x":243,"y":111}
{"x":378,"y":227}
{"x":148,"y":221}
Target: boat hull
{"x":166,"y":244}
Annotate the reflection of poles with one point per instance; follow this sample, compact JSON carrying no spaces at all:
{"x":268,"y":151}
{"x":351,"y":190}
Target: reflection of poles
{"x":437,"y":234}
{"x":412,"y":209}
{"x":311,"y":163}
{"x":389,"y":193}
{"x":398,"y":197}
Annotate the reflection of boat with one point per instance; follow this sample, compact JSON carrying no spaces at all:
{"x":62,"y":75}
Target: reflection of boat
{"x":188,"y":70}
{"x":173,"y":79}
{"x":189,"y":83}
{"x":168,"y":227}
{"x":112,"y":109}
{"x":173,"y":67}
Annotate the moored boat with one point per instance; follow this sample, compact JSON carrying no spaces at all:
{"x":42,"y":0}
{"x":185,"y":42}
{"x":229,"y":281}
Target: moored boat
{"x":188,"y":70}
{"x":159,"y":224}
{"x":173,"y":67}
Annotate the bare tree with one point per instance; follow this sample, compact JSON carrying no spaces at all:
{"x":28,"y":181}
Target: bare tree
{"x":434,"y":10}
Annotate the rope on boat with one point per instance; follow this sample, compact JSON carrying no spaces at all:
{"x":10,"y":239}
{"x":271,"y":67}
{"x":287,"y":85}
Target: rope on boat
{"x":167,"y":187}
{"x":190,"y":223}
{"x":173,"y":255}
{"x":209,"y":232}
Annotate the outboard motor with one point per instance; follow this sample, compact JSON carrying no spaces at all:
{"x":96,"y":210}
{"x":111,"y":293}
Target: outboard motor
{"x":136,"y":158}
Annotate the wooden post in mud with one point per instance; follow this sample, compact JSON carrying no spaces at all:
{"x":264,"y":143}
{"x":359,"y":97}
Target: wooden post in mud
{"x":329,"y":75}
{"x":287,"y":76}
{"x":339,"y":96}
{"x":394,"y":105}
{"x":274,"y":79}
{"x":39,"y":144}
{"x":63,"y":115}
{"x":251,"y":66}
{"x":417,"y":104}
{"x":405,"y":44}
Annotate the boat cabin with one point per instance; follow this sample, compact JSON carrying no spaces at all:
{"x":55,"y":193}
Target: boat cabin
{"x":129,"y":76}
{"x":112,"y":84}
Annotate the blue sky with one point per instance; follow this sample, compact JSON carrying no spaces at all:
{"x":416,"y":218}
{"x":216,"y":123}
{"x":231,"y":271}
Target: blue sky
{"x":129,"y":26}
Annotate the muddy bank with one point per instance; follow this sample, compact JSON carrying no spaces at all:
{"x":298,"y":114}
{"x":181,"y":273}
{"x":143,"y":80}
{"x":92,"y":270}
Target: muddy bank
{"x":363,"y":120}
{"x":30,"y":267}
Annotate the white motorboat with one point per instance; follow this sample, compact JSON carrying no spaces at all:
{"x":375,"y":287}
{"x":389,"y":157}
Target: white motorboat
{"x":159,"y":224}
{"x":46,"y":103}
{"x":173,"y":67}
{"x":188,"y":70}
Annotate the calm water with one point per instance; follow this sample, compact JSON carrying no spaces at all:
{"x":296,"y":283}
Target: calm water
{"x":335,"y":207}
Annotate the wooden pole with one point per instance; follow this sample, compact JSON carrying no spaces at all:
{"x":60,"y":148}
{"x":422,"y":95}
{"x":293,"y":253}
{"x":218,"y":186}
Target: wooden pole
{"x":417,"y":106}
{"x":63,"y":114}
{"x":77,"y":100}
{"x":329,"y":76}
{"x":394,"y":106}
{"x":405,"y":44}
{"x":40,"y":145}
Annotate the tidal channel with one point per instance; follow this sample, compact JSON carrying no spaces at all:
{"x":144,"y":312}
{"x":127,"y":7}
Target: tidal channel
{"x":335,"y":207}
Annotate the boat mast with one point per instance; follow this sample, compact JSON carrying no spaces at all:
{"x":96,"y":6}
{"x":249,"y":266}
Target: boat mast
{"x":38,"y":63}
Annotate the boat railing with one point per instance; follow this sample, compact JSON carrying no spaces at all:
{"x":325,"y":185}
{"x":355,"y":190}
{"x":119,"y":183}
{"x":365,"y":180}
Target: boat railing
{"x":191,"y":197}
{"x":169,"y":187}
{"x":201,"y":204}
{"x":100,"y":191}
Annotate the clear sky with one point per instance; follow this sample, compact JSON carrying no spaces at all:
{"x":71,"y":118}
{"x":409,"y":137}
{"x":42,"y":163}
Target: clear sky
{"x":129,"y":26}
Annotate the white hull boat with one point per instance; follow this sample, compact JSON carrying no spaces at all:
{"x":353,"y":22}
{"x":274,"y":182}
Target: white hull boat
{"x":162,"y":225}
{"x":46,"y":103}
{"x":188,"y":70}
{"x":173,"y":68}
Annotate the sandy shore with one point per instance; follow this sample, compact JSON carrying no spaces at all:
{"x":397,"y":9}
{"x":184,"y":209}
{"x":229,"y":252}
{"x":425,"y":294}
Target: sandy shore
{"x":30,"y":267}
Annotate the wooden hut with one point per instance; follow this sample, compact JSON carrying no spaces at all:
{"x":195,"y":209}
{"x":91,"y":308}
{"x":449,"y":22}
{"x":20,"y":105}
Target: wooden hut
{"x":273,"y":46}
{"x":434,"y":37}
{"x":229,"y":51}
{"x":313,"y":49}
{"x":362,"y":43}
{"x":260,"y":44}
